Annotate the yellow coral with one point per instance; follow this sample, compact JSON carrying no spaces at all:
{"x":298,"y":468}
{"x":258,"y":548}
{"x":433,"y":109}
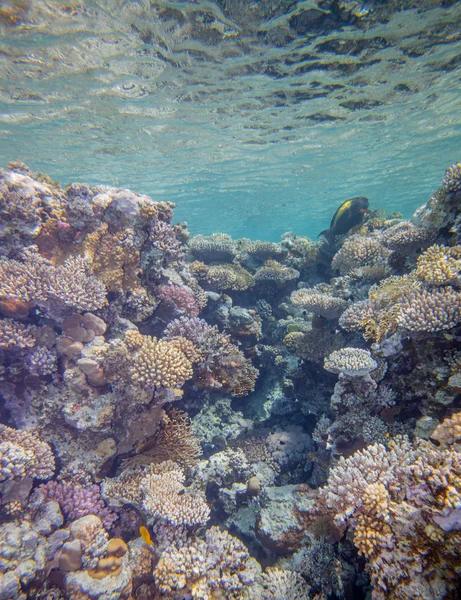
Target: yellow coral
{"x":158,"y":363}
{"x":439,"y":265}
{"x":449,"y":431}
{"x":115,"y":258}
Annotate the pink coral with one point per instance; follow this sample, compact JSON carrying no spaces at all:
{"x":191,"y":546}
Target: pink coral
{"x":183,"y":299}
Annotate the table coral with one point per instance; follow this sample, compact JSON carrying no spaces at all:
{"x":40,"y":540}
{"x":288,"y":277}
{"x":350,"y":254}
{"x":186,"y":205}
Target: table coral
{"x":354,"y":362}
{"x":272,"y":272}
{"x":319,"y":303}
{"x":215,"y":247}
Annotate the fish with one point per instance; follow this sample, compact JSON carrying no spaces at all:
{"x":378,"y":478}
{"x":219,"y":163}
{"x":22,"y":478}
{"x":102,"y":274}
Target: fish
{"x":349,"y":214}
{"x":145,"y":535}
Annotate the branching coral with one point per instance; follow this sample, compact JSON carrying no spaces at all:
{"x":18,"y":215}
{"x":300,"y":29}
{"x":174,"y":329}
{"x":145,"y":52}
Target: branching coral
{"x":14,"y":334}
{"x":181,"y":298}
{"x":319,"y":303}
{"x":288,"y":585}
{"x":165,"y":497}
{"x":440,"y":265}
{"x":216,"y":567}
{"x":452,"y":178}
{"x":174,"y":441}
{"x":156,"y":362}
{"x":406,"y":236}
{"x":23,"y":454}
{"x":221,"y":365}
{"x":359,"y":251}
{"x":401,"y":502}
{"x":449,"y":431}
{"x":77,"y":501}
{"x":37,"y":281}
{"x":430,"y":310}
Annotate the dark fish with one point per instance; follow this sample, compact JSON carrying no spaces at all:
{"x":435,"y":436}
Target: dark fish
{"x":349,"y":214}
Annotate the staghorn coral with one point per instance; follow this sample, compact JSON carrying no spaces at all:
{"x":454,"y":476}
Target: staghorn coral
{"x":275,"y":273}
{"x":174,"y":441}
{"x":359,"y":251}
{"x":23,"y":454}
{"x":429,"y":310}
{"x":165,"y":497}
{"x":288,"y":585}
{"x":319,"y":303}
{"x":215,"y":247}
{"x":156,"y":362}
{"x":38,"y":282}
{"x":354,"y":362}
{"x":401,"y":503}
{"x":452,"y":179}
{"x":439,"y":265}
{"x":216,"y":567}
{"x":223,"y":277}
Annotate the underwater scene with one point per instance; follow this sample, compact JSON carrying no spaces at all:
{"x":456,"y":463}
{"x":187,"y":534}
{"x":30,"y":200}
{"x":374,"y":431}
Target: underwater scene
{"x":230,"y":300}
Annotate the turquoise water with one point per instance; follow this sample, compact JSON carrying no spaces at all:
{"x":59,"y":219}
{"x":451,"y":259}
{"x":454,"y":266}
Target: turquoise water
{"x":256,"y":118}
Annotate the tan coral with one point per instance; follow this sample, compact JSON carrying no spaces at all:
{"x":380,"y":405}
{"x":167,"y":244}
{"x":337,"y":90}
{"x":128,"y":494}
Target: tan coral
{"x":358,"y":251}
{"x":165,"y":497}
{"x":319,"y":303}
{"x":24,"y":454}
{"x":439,"y":265}
{"x":223,"y":277}
{"x":157,"y":363}
{"x":15,"y":334}
{"x":449,"y":431}
{"x":115,"y":258}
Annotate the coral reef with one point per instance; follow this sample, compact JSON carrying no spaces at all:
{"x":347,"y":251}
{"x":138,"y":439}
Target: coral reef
{"x":300,"y":439}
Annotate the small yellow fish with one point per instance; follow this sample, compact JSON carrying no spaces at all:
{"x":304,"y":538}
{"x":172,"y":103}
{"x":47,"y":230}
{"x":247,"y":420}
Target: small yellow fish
{"x":145,"y":535}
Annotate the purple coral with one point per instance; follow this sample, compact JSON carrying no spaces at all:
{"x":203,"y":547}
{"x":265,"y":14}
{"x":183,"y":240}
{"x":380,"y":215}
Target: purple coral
{"x":77,"y":501}
{"x":183,"y":300}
